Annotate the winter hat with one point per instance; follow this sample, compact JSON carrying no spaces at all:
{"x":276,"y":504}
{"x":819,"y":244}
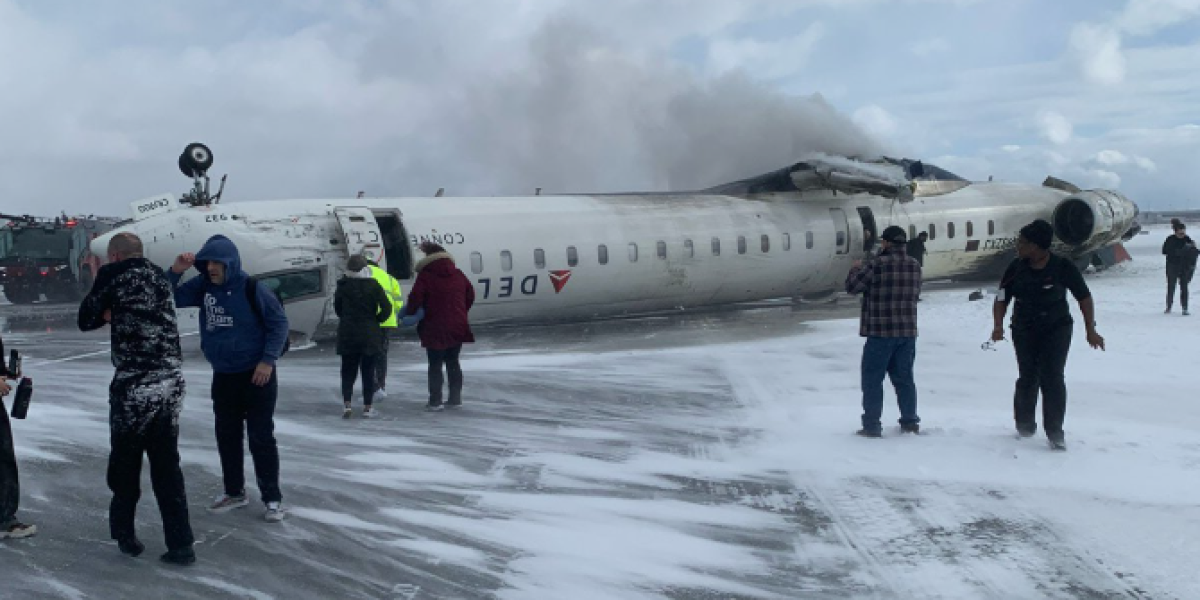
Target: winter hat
{"x":894,"y":235}
{"x":356,"y":263}
{"x":1178,"y":225}
{"x":1040,"y":233}
{"x":431,"y":248}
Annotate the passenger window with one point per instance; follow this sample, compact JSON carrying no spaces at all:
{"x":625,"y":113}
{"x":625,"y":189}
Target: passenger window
{"x":912,"y":232}
{"x":506,"y":260}
{"x":688,"y":250}
{"x":716,"y":246}
{"x":295,"y":285}
{"x":932,"y":231}
{"x":539,"y":258}
{"x":632,"y":252}
{"x":662,"y":250}
{"x":765,"y":242}
{"x":970,"y":229}
{"x":991,"y":228}
{"x":741,"y":244}
{"x":950,"y":230}
{"x":787,"y":242}
{"x":808,"y":240}
{"x":602,"y":254}
{"x":476,"y":263}
{"x":841,"y":238}
{"x":572,"y":256}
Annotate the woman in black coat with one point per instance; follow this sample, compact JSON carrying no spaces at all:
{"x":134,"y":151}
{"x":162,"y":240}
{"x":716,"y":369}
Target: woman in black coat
{"x":361,"y":305}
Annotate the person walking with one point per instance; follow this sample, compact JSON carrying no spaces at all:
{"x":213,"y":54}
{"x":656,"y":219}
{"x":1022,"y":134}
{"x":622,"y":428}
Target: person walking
{"x":145,"y":396}
{"x":10,"y":486}
{"x":445,"y":295}
{"x":890,"y":284}
{"x":361,"y":306}
{"x":916,"y":248}
{"x":395,"y":295}
{"x":1038,"y":280}
{"x":1181,"y":254}
{"x":243,"y":331}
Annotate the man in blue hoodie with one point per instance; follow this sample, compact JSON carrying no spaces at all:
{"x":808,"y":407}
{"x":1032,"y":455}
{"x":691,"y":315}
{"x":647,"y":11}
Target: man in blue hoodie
{"x":242,"y":342}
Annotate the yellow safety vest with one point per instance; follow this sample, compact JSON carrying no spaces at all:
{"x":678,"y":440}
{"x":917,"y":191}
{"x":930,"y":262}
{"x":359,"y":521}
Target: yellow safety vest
{"x":392,"y":288}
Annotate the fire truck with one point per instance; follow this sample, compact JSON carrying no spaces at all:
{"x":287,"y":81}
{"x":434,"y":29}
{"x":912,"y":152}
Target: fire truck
{"x":48,"y":257}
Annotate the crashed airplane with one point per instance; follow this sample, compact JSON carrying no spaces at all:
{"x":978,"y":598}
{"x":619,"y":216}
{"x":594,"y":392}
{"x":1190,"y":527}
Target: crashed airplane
{"x":790,"y":233}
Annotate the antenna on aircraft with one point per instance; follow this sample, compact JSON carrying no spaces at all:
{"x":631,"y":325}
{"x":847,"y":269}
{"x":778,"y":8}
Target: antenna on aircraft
{"x":439,"y":192}
{"x":361,"y":194}
{"x":195,"y":162}
{"x":537,"y":191}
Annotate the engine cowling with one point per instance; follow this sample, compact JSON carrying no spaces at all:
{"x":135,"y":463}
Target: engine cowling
{"x":1092,"y":219}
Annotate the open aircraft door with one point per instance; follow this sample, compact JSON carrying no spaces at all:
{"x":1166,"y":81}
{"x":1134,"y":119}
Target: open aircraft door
{"x":361,"y":233}
{"x":841,"y":230}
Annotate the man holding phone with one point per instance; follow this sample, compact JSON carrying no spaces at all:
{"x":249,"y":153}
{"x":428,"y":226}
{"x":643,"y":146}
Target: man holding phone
{"x":10,"y":489}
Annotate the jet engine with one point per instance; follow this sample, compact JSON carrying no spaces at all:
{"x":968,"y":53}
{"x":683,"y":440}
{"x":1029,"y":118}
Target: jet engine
{"x":1088,"y":220}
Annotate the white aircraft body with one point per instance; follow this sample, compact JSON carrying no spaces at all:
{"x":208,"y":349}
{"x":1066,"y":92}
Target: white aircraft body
{"x":792,"y":233}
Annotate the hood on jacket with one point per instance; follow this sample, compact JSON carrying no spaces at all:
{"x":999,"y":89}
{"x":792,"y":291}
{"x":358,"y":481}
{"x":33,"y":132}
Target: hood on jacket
{"x":438,"y":269}
{"x":220,"y":249}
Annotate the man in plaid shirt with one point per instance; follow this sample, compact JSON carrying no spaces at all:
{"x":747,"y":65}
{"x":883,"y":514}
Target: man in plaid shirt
{"x":890,"y":284}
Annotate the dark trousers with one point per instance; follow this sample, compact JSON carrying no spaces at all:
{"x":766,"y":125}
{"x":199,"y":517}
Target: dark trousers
{"x":160,"y":443}
{"x":1183,"y":277}
{"x":448,"y":357}
{"x":893,"y":357}
{"x":240,"y":405}
{"x":381,"y":363}
{"x":351,"y":365}
{"x":1041,"y":361}
{"x":10,"y":489}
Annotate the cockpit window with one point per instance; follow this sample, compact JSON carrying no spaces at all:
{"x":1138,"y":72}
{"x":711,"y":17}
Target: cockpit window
{"x":291,"y":286}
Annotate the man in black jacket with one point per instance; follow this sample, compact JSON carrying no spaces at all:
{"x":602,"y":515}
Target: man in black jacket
{"x":1181,"y":253}
{"x":146,"y":394}
{"x":10,"y":489}
{"x":916,"y":248}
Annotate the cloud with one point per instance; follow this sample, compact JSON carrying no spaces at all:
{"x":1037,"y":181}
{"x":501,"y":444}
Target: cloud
{"x":1144,"y":17}
{"x":876,"y":121}
{"x":1097,"y":48}
{"x":1111,"y":157}
{"x":1054,"y":127}
{"x":767,"y":59}
{"x":1011,"y":148}
{"x":929,"y":47}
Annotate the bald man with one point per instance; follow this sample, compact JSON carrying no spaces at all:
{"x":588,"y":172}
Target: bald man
{"x":146,"y":394}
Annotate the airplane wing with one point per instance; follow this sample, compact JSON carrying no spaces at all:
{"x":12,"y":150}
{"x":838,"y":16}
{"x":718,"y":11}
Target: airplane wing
{"x":889,"y":178}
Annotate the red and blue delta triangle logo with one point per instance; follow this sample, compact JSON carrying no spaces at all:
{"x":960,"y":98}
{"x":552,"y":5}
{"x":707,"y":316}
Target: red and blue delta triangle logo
{"x":559,"y":280}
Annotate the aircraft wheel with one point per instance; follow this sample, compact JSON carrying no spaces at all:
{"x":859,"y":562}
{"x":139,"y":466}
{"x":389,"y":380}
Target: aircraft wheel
{"x":195,"y":157}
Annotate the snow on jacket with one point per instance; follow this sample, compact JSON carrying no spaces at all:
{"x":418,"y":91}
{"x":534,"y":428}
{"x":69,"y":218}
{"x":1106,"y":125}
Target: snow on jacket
{"x":446,"y":295}
{"x":145,"y":342}
{"x":362,"y":307}
{"x":232,"y":336}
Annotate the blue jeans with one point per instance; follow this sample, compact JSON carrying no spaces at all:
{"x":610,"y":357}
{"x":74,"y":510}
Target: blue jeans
{"x":894,"y":357}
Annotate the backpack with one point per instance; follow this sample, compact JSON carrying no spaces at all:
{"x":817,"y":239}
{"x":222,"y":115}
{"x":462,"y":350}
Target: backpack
{"x":252,"y":296}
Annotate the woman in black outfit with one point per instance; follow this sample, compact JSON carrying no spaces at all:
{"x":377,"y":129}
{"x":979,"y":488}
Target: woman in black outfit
{"x":361,"y":305}
{"x":1041,"y":328}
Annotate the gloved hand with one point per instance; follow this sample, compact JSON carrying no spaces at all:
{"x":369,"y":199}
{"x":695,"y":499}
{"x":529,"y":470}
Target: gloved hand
{"x":413,"y":319}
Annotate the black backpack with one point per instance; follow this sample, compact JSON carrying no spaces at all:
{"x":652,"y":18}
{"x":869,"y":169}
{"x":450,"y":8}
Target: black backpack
{"x":252,"y":296}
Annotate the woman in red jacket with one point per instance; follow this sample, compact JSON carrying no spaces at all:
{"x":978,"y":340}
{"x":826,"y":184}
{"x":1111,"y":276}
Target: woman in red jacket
{"x":446,"y":295}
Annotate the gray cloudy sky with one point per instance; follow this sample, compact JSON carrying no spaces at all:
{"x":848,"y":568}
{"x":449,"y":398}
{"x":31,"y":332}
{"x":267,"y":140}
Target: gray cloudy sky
{"x":312,"y":98}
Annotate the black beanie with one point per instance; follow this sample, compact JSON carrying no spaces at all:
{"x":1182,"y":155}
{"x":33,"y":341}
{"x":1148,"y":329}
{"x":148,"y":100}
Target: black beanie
{"x":1040,"y":233}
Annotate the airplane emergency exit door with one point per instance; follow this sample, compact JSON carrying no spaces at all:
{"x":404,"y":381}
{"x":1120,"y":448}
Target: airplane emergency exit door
{"x":361,"y":233}
{"x":841,"y":229}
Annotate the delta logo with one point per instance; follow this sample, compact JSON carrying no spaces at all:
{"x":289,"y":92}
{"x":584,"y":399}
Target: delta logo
{"x":559,"y":280}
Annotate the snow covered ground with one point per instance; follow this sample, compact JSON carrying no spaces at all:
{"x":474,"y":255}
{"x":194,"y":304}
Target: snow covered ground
{"x":696,"y":457}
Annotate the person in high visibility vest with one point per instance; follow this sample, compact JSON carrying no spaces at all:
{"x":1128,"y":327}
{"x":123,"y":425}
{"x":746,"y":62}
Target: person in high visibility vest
{"x":392,"y":288}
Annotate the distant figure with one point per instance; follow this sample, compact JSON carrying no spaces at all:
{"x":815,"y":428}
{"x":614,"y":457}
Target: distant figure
{"x":243,"y":332}
{"x":1181,"y":254}
{"x":1041,"y":328}
{"x":868,"y":240}
{"x":361,"y":306}
{"x":916,"y":248}
{"x":890,"y":284}
{"x":10,"y":488}
{"x":145,"y":396}
{"x":446,"y":295}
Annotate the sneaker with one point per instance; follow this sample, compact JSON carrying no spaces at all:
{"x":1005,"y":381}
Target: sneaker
{"x":868,"y":434}
{"x":274,"y":512}
{"x":454,"y":405}
{"x":914,"y":428}
{"x":1185,"y":312}
{"x":179,"y":556}
{"x":1168,"y":311}
{"x":434,"y":407}
{"x":346,"y":413}
{"x":17,"y":530}
{"x":1057,"y":442}
{"x":131,"y":546}
{"x":381,"y":393}
{"x":226,"y":503}
{"x":370,"y":413}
